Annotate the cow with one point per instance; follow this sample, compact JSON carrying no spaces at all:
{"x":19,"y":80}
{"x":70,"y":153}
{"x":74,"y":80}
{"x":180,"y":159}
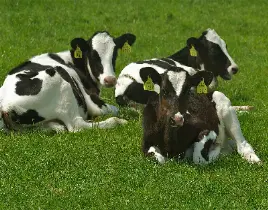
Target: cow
{"x":60,"y":91}
{"x":208,"y":52}
{"x":177,"y":119}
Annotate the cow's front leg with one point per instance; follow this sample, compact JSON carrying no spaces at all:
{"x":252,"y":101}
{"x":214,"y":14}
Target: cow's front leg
{"x":97,"y":107}
{"x":157,"y":154}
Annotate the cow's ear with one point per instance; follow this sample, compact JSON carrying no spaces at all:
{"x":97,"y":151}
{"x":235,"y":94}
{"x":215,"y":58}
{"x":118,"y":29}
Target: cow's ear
{"x":192,"y":42}
{"x":121,"y":40}
{"x":81,"y":43}
{"x":199,"y":76}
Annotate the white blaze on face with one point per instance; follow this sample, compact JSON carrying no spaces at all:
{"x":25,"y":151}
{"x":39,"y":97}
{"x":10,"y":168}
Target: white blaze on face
{"x":103,"y":43}
{"x":213,"y":37}
{"x":177,"y":80}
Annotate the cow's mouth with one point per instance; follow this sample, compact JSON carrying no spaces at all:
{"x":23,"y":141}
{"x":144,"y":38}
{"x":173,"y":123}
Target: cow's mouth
{"x":226,"y":76}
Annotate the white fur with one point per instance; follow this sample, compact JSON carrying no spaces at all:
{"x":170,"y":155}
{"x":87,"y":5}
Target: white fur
{"x":230,"y":127}
{"x":177,"y":80}
{"x":199,"y":146}
{"x":104,"y":45}
{"x":160,"y":158}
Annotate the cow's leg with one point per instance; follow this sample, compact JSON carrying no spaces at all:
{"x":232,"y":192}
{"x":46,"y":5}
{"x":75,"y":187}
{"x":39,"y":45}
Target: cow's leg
{"x":79,"y":123}
{"x":157,"y":154}
{"x":97,"y":107}
{"x":229,"y":118}
{"x":205,"y":151}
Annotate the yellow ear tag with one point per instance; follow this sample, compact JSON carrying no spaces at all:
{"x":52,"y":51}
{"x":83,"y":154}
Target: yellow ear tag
{"x":78,"y":53}
{"x":193,"y":51}
{"x":126,"y":48}
{"x":201,"y":87}
{"x":149,"y":85}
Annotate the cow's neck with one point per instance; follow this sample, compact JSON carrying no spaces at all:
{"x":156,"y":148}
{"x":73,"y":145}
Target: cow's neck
{"x":81,"y":67}
{"x":183,"y":57}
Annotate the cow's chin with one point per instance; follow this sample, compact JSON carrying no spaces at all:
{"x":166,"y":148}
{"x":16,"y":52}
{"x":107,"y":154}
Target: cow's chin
{"x":226,"y":76}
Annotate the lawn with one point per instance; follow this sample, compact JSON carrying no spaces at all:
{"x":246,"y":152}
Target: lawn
{"x":104,"y":169}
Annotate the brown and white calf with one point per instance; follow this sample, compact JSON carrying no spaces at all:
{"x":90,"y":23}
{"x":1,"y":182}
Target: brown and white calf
{"x":210,"y":53}
{"x":61,"y":90}
{"x":177,"y":118}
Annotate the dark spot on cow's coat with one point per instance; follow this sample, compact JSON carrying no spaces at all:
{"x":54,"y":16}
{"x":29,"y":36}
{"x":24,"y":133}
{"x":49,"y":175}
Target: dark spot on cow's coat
{"x":205,"y":151}
{"x":28,"y":65}
{"x":159,"y":63}
{"x":56,"y":58}
{"x":96,"y":99}
{"x":75,"y":88}
{"x":51,"y":72}
{"x":28,"y":117}
{"x":95,"y":63}
{"x":28,"y":85}
{"x":169,"y":61}
{"x":152,"y":73}
{"x":136,"y":93}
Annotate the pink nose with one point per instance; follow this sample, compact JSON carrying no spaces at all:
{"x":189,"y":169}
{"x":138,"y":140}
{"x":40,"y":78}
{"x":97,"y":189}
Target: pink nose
{"x":178,"y":120}
{"x":110,"y":81}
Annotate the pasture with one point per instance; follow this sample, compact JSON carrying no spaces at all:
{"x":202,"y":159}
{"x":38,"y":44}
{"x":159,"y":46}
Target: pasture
{"x":105,"y":169}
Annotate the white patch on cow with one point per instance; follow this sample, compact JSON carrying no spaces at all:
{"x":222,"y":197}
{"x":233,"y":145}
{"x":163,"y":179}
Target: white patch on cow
{"x":103,"y":43}
{"x":230,"y":126}
{"x":199,"y":146}
{"x":160,"y":158}
{"x":177,"y":80}
{"x":212,"y":36}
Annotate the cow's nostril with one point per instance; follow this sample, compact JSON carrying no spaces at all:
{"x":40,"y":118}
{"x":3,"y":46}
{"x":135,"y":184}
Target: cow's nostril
{"x":111,"y":81}
{"x":234,"y":70}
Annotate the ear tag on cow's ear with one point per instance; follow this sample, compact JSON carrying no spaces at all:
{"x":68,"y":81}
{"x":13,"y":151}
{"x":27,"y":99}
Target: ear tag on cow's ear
{"x":149,"y":85}
{"x":126,"y":48}
{"x":78,"y":53}
{"x":201,"y":87}
{"x":193,"y":51}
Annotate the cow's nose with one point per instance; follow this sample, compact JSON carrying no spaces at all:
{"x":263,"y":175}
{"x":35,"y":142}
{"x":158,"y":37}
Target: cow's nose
{"x":234,"y":70}
{"x":110,"y":81}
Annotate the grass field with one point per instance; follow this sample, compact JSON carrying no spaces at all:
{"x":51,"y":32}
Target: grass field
{"x":104,"y":169}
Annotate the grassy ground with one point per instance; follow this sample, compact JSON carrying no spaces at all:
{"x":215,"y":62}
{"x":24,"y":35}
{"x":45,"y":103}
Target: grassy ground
{"x":104,"y":169}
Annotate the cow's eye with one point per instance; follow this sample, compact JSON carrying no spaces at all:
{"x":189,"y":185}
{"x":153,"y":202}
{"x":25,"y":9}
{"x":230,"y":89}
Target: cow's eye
{"x":164,"y":92}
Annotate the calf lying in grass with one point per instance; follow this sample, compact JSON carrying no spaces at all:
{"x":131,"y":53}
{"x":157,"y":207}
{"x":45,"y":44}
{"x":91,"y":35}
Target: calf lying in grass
{"x":208,"y":52}
{"x":178,"y":118}
{"x":60,"y":91}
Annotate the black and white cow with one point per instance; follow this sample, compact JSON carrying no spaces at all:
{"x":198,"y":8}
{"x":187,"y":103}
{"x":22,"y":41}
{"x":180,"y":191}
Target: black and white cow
{"x":210,"y":54}
{"x":61,"y":90}
{"x":178,"y":118}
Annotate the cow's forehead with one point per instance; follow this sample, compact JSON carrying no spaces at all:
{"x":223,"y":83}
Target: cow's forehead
{"x":102,"y":42}
{"x":212,"y":36}
{"x":177,"y":80}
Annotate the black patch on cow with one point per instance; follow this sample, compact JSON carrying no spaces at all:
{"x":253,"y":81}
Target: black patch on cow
{"x":96,"y":100}
{"x":28,"y":65}
{"x":51,"y":72}
{"x":29,"y":117}
{"x":205,"y":150}
{"x":95,"y":62}
{"x":136,"y":92}
{"x":169,"y":61}
{"x":27,"y":84}
{"x":161,"y":64}
{"x":152,"y":73}
{"x":56,"y":58}
{"x":76,"y":90}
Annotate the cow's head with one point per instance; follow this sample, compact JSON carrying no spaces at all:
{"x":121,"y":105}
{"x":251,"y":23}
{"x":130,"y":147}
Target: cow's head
{"x":99,"y":55}
{"x":175,"y":92}
{"x":213,"y":54}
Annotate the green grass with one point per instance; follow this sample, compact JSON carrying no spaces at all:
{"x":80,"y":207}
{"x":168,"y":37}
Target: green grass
{"x":104,"y":169}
